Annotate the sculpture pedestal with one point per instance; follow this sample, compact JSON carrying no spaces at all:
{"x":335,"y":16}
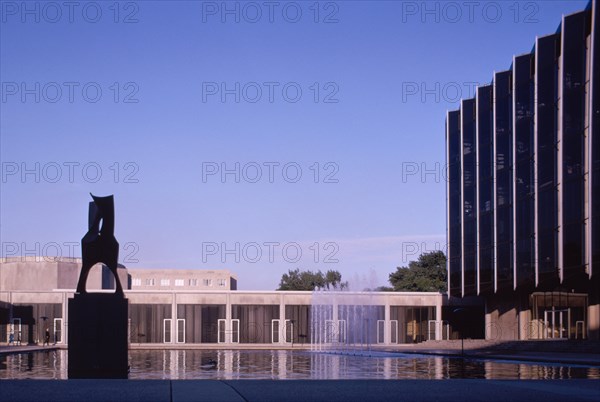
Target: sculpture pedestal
{"x":98,"y":336}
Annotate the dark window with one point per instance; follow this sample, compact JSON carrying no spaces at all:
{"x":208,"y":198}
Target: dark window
{"x":573,"y":120}
{"x":504,"y":161}
{"x":546,"y":112}
{"x":469,"y":196}
{"x":455,"y":203}
{"x":486,"y":214}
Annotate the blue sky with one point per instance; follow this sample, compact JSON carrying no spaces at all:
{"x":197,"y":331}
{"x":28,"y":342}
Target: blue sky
{"x":328,"y":118}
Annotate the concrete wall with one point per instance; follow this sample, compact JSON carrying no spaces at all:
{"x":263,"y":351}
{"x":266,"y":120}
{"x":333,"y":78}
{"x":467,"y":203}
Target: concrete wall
{"x":39,"y":274}
{"x":24,"y":275}
{"x":594,"y":322}
{"x":506,"y":317}
{"x":593,"y":313}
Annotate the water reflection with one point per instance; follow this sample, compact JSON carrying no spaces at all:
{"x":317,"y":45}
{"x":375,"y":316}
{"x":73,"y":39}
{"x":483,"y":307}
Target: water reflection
{"x":37,"y":365}
{"x":280,"y":364}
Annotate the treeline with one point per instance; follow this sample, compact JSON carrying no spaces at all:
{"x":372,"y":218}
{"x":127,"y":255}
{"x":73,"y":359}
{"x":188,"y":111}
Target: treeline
{"x":426,"y":274}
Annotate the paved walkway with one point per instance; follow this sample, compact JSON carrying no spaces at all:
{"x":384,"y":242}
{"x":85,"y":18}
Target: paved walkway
{"x":299,"y":391}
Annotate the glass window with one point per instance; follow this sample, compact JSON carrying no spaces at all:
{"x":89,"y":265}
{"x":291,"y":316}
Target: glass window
{"x":573,"y":202}
{"x":573,"y":246}
{"x":455,"y":208}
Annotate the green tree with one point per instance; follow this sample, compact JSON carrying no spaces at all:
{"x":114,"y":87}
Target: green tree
{"x":308,"y":280}
{"x":427,"y":274}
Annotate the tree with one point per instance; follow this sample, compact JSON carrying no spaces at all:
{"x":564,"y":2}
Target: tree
{"x":427,"y":274}
{"x":308,"y":280}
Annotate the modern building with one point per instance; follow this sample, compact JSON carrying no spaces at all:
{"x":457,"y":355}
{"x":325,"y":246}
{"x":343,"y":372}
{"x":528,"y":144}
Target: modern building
{"x":178,"y":307}
{"x":523,"y":189}
{"x":181,"y":279}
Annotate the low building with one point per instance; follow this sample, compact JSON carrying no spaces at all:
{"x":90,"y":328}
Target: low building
{"x":181,"y":279}
{"x":192,"y":307}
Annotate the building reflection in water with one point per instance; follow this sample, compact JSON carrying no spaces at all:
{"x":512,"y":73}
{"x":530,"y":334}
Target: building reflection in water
{"x":282,"y":364}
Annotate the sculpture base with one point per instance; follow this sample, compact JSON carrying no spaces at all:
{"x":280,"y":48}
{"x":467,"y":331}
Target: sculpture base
{"x":98,"y":336}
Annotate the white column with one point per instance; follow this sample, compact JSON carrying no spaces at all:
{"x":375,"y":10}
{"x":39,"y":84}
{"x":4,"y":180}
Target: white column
{"x":173,"y":317}
{"x":335,"y":318}
{"x":488,"y":324}
{"x":228,"y":325}
{"x":523,"y":320}
{"x":65,"y":313}
{"x":282,"y":329}
{"x":438,"y":318}
{"x":387,"y":335}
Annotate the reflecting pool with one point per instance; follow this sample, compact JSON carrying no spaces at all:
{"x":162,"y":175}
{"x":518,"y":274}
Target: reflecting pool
{"x":285,"y":364}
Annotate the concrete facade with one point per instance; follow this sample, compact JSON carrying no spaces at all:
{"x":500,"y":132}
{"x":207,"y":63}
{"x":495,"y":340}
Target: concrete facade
{"x":180,"y":279}
{"x":47,"y":273}
{"x":30,"y":303}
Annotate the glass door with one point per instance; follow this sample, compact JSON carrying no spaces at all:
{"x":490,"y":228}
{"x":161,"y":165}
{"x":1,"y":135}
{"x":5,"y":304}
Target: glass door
{"x":58,"y":330}
{"x":180,"y":330}
{"x":288,"y":333}
{"x":167,"y":330}
{"x":431,"y":329}
{"x":235,"y":331}
{"x":380,"y":331}
{"x":557,"y":323}
{"x":274,"y":331}
{"x":394,"y":330}
{"x":330,"y":331}
{"x":221,"y":330}
{"x":15,"y":330}
{"x":341,"y":331}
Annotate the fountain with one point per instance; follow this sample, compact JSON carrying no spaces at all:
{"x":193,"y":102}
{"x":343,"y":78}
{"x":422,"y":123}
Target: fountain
{"x":347,"y":321}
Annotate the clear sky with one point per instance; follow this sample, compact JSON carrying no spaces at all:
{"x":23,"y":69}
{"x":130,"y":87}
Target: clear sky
{"x":327,"y":120}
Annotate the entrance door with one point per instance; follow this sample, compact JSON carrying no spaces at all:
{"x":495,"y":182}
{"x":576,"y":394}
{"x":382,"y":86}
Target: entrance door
{"x":235,"y":331}
{"x":58,"y":330}
{"x":380,"y":331}
{"x":180,"y":330}
{"x":167,"y":330}
{"x":16,"y":330}
{"x":330,"y":331}
{"x":221,"y":330}
{"x":275,"y":331}
{"x":557,"y":323}
{"x":431,"y":329}
{"x":288,"y":333}
{"x":341,"y":331}
{"x":394,"y":330}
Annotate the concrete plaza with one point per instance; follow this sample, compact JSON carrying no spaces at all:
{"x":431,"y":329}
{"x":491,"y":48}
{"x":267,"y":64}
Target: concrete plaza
{"x":300,"y":391}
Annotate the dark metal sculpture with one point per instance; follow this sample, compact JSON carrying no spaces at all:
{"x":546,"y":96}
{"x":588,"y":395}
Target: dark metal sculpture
{"x":99,"y":244}
{"x":97,"y":331}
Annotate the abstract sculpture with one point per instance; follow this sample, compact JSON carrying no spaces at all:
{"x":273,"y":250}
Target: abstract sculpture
{"x":99,"y":243}
{"x":98,"y":322}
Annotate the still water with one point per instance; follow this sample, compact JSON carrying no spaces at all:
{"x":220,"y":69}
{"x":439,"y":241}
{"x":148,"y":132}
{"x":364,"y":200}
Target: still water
{"x":283,"y":364}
